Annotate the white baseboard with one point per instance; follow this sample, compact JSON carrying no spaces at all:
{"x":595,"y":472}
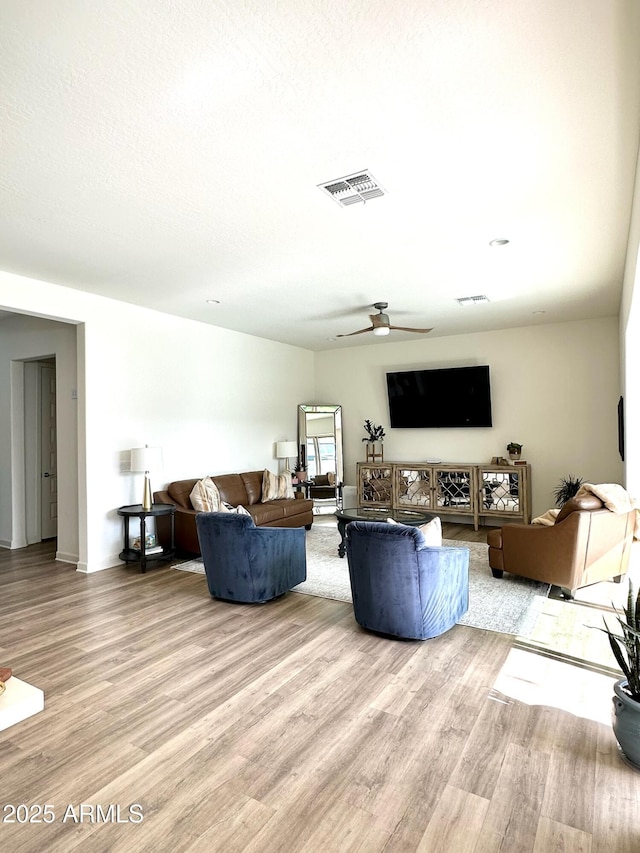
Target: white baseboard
{"x":107,"y":563}
{"x":66,"y":558}
{"x":12,"y":546}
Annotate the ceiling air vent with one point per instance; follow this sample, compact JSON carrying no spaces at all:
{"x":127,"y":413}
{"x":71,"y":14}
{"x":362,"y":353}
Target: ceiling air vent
{"x":472,"y":300}
{"x":353,"y":189}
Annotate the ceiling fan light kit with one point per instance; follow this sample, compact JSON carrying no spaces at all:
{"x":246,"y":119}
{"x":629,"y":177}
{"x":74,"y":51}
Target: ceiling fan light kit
{"x":381,"y":325}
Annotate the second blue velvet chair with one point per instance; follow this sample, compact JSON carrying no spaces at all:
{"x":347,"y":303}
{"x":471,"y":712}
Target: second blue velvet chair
{"x":402,"y":587}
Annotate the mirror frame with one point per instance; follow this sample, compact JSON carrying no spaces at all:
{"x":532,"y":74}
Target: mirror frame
{"x":306,"y":408}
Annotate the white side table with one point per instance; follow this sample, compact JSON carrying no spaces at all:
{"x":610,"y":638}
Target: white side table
{"x":19,"y":701}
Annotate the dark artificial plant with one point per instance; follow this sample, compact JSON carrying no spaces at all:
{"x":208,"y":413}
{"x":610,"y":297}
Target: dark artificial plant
{"x":374,"y":433}
{"x":626,"y":646}
{"x":566,"y":489}
{"x":514,"y":447}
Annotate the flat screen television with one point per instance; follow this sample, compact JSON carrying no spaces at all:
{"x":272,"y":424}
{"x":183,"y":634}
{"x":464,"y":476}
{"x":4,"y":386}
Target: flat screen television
{"x":444,"y":397}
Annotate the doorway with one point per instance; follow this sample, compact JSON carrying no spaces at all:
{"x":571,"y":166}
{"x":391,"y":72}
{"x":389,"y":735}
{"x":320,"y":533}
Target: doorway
{"x":40,"y":450}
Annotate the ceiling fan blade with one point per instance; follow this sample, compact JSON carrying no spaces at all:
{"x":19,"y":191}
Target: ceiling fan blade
{"x":407,"y":329}
{"x":360,"y":332}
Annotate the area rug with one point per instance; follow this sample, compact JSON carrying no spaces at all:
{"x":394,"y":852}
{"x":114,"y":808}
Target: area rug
{"x":510,"y":605}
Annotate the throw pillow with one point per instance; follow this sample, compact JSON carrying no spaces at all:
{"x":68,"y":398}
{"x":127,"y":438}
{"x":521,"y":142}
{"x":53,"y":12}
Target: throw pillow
{"x":238,"y":510}
{"x":205,"y":496}
{"x":431,"y":531}
{"x":276,"y":486}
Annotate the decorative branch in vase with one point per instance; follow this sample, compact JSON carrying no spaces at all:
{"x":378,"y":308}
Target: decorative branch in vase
{"x":375,"y":434}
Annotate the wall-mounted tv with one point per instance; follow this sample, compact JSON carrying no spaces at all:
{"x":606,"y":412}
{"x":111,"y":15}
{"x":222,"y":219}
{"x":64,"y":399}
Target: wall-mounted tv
{"x":444,"y":397}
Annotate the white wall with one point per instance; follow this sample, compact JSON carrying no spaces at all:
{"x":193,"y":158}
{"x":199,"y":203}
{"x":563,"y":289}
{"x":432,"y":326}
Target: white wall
{"x":630,"y":347}
{"x":216,"y":401}
{"x":555,"y":390}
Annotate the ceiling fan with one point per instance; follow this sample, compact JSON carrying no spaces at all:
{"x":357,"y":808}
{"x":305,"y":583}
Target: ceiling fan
{"x":381,"y":325}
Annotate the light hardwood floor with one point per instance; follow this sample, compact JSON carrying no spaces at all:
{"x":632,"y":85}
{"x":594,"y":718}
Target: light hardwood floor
{"x":285,"y":727}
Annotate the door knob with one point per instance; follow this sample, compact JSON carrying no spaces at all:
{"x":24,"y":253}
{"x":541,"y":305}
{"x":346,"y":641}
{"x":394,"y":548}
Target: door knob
{"x":46,"y":474}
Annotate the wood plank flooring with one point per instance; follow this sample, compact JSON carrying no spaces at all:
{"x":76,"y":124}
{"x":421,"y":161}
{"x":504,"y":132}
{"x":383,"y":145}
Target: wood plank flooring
{"x":285,"y":727}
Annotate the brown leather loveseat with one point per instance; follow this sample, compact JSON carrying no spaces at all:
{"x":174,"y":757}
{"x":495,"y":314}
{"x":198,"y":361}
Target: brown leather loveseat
{"x":238,"y":490}
{"x":588,"y":543}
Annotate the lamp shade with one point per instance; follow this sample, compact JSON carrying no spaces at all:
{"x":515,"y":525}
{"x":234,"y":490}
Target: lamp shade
{"x":146,"y":458}
{"x":286,"y":449}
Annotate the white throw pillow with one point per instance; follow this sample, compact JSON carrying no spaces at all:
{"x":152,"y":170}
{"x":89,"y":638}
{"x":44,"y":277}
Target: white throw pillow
{"x":238,"y":510}
{"x":276,"y":486}
{"x":431,"y":531}
{"x":205,"y":496}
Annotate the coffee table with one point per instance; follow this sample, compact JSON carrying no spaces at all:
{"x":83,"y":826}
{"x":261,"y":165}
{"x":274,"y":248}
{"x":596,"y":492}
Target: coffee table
{"x":402,"y":516}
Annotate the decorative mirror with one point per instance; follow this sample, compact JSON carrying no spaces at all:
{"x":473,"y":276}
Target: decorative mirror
{"x":320,"y":440}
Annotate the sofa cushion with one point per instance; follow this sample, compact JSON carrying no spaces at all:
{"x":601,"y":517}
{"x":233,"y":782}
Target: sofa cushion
{"x":179,"y":492}
{"x":231,"y":488}
{"x":294,"y":507}
{"x":253,"y":484}
{"x":276,"y":486}
{"x":264,"y":513}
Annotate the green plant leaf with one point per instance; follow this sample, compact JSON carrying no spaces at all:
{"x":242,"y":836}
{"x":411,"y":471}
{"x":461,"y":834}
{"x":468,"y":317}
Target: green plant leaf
{"x":620,"y":657}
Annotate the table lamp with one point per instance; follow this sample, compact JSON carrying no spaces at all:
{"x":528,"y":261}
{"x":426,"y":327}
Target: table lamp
{"x":286,"y":450}
{"x":146,"y":459}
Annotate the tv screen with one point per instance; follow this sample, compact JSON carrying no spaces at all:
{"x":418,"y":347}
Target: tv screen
{"x":445,"y":397}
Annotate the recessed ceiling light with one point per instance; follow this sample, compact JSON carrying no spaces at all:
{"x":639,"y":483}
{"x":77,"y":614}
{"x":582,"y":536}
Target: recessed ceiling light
{"x":332,"y":339}
{"x":539,"y":312}
{"x":500,"y":241}
{"x":213,"y":301}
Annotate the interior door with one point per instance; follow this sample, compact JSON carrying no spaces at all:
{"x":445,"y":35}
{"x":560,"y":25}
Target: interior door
{"x":48,"y":455}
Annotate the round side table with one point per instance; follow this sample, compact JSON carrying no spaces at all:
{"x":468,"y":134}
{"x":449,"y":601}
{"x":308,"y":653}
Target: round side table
{"x":142,"y":555}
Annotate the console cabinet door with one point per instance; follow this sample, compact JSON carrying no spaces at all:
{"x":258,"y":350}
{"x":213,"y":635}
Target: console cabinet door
{"x":505,"y":492}
{"x":455,"y":490}
{"x":413,"y":487}
{"x":375,"y":485}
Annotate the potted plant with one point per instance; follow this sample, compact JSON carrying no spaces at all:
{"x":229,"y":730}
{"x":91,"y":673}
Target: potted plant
{"x":375,"y":435}
{"x":299,"y":472}
{"x":514,"y":450}
{"x":566,"y":489}
{"x":625,"y":646}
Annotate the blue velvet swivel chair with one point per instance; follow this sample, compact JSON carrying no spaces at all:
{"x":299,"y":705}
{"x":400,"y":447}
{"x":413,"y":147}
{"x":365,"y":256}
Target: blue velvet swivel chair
{"x":402,"y":587}
{"x":245,"y":563}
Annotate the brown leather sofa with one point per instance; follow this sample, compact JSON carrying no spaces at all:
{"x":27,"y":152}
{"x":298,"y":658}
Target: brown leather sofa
{"x":236,"y":489}
{"x":588,"y":543}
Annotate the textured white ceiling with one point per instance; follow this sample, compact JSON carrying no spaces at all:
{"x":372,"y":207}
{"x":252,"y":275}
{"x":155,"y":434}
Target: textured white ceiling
{"x":164,"y":153}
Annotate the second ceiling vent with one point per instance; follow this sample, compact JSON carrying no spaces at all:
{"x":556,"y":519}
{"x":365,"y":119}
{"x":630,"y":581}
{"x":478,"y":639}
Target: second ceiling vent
{"x":353,"y":189}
